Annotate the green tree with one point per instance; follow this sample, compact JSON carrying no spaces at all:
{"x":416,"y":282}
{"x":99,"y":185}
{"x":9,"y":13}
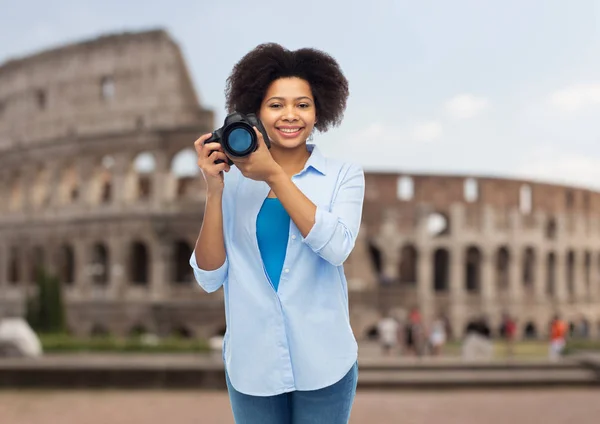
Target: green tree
{"x":45,"y":311}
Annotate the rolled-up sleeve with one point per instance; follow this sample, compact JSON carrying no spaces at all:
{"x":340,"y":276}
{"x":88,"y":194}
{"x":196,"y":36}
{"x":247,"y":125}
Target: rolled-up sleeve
{"x":210,"y":281}
{"x":334,"y":233}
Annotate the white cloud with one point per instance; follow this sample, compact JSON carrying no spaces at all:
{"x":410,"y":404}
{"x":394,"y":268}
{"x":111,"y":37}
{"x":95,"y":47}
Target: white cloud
{"x":427,"y":131}
{"x":464,"y":106}
{"x":576,"y":97}
{"x":554,"y":166}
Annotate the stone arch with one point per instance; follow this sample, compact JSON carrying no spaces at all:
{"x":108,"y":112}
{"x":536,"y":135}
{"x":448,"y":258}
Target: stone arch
{"x":100,"y":265}
{"x":38,"y":261}
{"x":15,"y":202}
{"x":441,"y":270}
{"x":551,"y":274}
{"x":142,"y":169}
{"x":40,"y":194}
{"x":473,"y":269}
{"x":102,"y":181}
{"x":529,"y":267}
{"x":376,"y":260}
{"x":99,"y":330}
{"x":182,"y":270}
{"x":66,"y":265}
{"x":139,"y":263}
{"x":14,"y":274}
{"x":502,"y":269}
{"x":551,"y":229}
{"x":408,"y":265}
{"x":69,"y":185}
{"x":587,"y":272}
{"x":530,"y":331}
{"x":570,"y":270}
{"x":184,"y":170}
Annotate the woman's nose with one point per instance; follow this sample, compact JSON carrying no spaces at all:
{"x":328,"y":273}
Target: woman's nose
{"x":289,"y":114}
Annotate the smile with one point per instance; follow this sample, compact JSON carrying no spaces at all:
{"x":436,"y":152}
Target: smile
{"x":290,"y":130}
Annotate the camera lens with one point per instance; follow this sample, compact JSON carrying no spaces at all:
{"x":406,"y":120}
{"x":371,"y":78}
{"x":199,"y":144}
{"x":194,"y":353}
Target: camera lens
{"x":240,"y":140}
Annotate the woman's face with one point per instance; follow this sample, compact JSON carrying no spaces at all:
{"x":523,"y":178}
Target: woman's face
{"x":288,"y":112}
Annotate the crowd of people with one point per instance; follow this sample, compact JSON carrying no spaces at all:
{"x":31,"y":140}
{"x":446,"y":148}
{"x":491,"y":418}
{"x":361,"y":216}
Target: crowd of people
{"x":408,"y":335}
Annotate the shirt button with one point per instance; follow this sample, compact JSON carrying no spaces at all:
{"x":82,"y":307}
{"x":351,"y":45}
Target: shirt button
{"x":293,"y":237}
{"x":287,"y":270}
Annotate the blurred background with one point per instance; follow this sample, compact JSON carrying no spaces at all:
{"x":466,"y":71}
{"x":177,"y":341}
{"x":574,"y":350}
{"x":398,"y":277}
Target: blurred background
{"x":475,"y":282}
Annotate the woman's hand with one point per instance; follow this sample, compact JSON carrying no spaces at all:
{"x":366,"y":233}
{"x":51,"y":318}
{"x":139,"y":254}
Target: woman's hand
{"x":213,"y":172}
{"x":259,"y":165}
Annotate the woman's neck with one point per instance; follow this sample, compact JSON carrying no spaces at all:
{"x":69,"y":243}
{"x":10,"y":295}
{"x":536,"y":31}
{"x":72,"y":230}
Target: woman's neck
{"x":291,"y":160}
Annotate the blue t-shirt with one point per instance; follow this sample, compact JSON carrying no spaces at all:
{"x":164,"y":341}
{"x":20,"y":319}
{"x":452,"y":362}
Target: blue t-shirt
{"x":272,"y":228}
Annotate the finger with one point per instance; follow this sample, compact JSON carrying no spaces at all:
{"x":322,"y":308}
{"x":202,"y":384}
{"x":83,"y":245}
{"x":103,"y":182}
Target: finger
{"x":220,"y":167}
{"x":208,"y":165}
{"x":200,"y":141}
{"x":210,"y":149}
{"x":215,"y":170}
{"x":216,"y":155}
{"x":261,"y":140}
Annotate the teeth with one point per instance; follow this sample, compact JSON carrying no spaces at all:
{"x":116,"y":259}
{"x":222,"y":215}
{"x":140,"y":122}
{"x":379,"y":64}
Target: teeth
{"x":289,"y":130}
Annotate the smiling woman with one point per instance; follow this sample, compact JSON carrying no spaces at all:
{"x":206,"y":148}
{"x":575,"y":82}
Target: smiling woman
{"x":277,"y":229}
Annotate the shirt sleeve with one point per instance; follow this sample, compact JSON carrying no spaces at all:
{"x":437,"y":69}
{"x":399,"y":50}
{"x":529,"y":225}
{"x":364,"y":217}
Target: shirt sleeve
{"x":210,"y":281}
{"x":334,"y":233}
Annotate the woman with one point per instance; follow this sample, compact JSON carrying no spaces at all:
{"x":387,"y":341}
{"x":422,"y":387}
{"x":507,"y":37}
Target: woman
{"x":277,"y":228}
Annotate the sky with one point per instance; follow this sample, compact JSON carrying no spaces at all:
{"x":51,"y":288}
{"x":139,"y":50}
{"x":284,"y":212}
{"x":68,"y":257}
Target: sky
{"x":507,"y":89}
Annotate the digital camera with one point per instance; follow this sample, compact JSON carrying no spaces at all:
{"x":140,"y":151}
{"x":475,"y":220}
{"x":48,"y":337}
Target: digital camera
{"x":237,"y":136}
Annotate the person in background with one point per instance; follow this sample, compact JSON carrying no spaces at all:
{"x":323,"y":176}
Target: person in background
{"x":558,"y":337}
{"x":388,"y":333}
{"x":437,"y":336}
{"x":509,"y":333}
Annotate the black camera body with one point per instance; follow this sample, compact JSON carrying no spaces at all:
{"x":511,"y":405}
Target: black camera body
{"x":237,"y":136}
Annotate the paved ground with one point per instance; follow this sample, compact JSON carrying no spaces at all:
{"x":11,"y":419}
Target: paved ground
{"x":195,"y":407}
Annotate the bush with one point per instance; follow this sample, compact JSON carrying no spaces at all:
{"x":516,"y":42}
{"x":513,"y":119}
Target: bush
{"x":63,"y":343}
{"x":582,"y":345}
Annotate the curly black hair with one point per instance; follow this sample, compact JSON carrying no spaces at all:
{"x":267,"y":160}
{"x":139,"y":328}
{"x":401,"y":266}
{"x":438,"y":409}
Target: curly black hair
{"x":254,"y":73}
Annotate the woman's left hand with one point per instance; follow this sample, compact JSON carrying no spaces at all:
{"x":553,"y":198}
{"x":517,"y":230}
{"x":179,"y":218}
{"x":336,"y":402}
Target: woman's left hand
{"x":258,"y":165}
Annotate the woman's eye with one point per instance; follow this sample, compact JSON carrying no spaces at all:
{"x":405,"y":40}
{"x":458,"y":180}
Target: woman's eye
{"x":274,"y":106}
{"x":303,"y":105}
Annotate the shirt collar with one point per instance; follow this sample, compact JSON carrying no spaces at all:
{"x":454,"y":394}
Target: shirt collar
{"x":316,"y":160}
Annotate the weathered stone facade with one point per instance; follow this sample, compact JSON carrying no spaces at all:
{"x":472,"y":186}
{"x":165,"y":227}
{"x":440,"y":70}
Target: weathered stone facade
{"x":92,"y":141}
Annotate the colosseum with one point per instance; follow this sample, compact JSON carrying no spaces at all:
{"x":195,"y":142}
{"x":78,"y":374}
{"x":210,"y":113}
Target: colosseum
{"x":99,"y":187}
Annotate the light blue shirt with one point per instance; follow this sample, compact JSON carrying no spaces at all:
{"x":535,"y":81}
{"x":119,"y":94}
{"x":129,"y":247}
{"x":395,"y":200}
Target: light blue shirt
{"x":299,"y":337}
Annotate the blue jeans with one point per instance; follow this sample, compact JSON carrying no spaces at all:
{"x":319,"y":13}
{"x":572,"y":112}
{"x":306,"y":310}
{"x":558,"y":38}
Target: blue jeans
{"x":330,"y":405}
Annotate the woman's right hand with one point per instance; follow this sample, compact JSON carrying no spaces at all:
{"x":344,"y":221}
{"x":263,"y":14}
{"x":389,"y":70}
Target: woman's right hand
{"x":207,"y":155}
